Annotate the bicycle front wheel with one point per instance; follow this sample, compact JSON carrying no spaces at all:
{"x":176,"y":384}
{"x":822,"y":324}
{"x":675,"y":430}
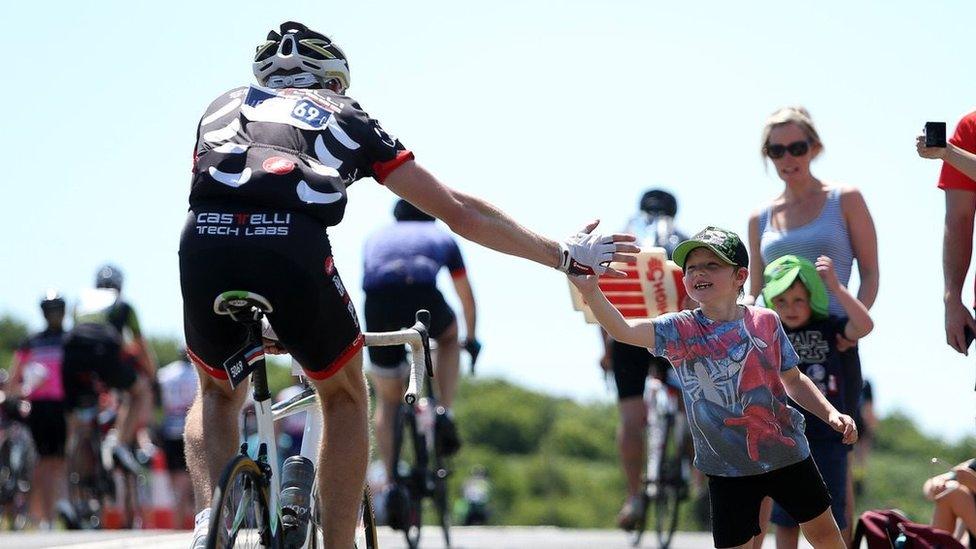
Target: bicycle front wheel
{"x":670,"y":485}
{"x":239,"y":510}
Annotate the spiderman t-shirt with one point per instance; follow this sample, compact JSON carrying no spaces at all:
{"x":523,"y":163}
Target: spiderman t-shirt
{"x":730,"y":378}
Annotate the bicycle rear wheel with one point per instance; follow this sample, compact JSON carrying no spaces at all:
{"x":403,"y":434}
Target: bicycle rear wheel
{"x":239,"y":510}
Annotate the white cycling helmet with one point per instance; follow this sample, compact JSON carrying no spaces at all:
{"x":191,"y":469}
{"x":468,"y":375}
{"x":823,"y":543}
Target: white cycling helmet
{"x":297,"y":57}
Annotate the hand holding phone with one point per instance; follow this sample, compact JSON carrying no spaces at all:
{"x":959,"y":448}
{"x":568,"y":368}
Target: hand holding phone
{"x":935,"y":134}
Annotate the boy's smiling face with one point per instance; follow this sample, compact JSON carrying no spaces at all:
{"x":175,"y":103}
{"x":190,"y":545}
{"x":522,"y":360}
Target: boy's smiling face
{"x":793,"y":305}
{"x":709,"y":279}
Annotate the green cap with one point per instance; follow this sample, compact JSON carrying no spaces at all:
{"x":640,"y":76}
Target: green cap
{"x":726,"y":244}
{"x":780,"y":275}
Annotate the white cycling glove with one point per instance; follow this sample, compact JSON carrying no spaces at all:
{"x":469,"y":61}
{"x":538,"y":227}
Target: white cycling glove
{"x":586,"y":254}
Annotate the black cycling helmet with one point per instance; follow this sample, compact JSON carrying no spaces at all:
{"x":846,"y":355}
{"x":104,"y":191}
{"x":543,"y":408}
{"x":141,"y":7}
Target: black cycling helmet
{"x":298,"y":57}
{"x":52,"y":300}
{"x":405,"y":211}
{"x":658,"y":202}
{"x":109,"y":276}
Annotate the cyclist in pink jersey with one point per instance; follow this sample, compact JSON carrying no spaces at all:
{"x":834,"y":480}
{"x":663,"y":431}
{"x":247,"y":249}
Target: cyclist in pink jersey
{"x":35,"y":374}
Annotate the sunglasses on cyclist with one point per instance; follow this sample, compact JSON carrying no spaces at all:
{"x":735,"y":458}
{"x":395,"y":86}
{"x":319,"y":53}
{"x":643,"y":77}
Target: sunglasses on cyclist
{"x":796,"y":148}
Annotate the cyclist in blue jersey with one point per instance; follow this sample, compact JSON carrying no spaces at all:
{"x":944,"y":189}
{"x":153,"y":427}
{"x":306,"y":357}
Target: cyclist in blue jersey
{"x":400,"y":266}
{"x":272,"y":166}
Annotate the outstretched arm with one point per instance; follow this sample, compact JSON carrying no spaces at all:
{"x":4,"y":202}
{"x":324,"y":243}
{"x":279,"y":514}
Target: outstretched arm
{"x":479,"y":221}
{"x":633,"y":332}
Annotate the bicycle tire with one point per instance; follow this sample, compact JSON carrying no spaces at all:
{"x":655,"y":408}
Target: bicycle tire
{"x":88,"y":482}
{"x":668,"y":497}
{"x":442,"y":503}
{"x":18,"y":457}
{"x":414,"y":482}
{"x":240,"y":506}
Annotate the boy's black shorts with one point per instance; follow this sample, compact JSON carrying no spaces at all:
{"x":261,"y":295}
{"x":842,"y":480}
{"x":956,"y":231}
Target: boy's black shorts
{"x":286,"y":258}
{"x":735,"y":501}
{"x":395,"y":308}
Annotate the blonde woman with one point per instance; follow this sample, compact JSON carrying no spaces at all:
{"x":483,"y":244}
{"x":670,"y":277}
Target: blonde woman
{"x":811,"y":218}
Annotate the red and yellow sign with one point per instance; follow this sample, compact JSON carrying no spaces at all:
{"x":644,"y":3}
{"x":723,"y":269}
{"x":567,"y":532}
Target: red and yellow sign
{"x":653,"y":286}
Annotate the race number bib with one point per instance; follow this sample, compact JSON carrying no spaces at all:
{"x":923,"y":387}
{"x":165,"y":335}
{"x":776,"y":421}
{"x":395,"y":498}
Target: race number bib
{"x":653,"y":286}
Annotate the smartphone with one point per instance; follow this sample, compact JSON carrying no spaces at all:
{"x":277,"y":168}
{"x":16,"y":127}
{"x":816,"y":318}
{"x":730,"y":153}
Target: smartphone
{"x":935,"y":134}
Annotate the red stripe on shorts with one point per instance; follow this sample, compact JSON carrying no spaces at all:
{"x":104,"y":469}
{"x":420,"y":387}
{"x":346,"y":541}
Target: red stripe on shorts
{"x":339,"y":362}
{"x":211,"y":371}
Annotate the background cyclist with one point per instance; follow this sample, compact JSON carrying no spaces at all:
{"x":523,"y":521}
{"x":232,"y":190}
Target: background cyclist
{"x":400,"y":267}
{"x":177,"y":388}
{"x":271,"y":168}
{"x":35,"y":374}
{"x":106,"y":345}
{"x":654,"y":226}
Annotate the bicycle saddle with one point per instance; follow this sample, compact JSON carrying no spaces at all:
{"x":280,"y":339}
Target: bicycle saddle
{"x":238,"y":302}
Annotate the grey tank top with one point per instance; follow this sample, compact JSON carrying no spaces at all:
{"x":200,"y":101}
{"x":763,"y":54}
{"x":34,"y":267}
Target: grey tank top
{"x":826,"y":235}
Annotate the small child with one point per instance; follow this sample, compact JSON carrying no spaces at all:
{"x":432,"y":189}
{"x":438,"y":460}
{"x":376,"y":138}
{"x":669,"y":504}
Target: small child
{"x":736,"y":367}
{"x":794,"y":289}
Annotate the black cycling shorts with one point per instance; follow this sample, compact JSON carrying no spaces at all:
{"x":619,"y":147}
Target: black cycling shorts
{"x":395,"y":308}
{"x":286,"y":258}
{"x":175,"y":452}
{"x":48,"y":427}
{"x":92,"y":355}
{"x":630,"y":368}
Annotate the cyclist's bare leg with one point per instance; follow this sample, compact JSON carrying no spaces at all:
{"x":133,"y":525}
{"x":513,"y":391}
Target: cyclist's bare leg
{"x":823,"y":532}
{"x":787,"y":537}
{"x":212,"y":434}
{"x":630,"y":441}
{"x":389,"y":395}
{"x":48,"y":486}
{"x":446,"y":360}
{"x":344,"y":452}
{"x":133,"y":409}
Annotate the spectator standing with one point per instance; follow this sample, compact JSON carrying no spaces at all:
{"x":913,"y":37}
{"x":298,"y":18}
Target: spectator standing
{"x":958,"y":180}
{"x":811,"y":218}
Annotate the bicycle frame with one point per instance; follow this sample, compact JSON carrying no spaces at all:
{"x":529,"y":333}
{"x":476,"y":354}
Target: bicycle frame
{"x":267,"y":413}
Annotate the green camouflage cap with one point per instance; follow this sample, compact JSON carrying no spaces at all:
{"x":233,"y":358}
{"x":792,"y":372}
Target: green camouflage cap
{"x":780,"y":275}
{"x":726,"y":244}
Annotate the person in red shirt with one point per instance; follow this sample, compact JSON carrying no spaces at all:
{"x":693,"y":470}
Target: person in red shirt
{"x":958,"y":180}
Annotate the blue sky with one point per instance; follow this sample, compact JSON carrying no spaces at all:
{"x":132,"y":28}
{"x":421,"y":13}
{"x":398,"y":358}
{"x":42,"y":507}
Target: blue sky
{"x":557,"y":112}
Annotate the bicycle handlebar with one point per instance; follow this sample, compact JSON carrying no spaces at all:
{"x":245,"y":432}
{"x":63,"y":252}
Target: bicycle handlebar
{"x":417,"y":337}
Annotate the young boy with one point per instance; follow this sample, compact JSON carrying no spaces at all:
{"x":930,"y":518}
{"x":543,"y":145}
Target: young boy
{"x":794,"y":289}
{"x":736,"y":367}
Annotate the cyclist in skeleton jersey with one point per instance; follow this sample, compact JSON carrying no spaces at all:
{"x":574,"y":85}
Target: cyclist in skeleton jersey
{"x":271,"y":168}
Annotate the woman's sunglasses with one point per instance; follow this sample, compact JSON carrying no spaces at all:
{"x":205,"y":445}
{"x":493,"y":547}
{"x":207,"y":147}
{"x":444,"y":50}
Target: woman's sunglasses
{"x":796,"y":148}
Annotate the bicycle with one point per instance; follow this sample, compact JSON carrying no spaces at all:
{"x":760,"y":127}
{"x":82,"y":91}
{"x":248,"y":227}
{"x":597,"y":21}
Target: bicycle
{"x":246,"y":507}
{"x":668,"y":466}
{"x":425,"y":470}
{"x":18,"y":456}
{"x":98,"y":474}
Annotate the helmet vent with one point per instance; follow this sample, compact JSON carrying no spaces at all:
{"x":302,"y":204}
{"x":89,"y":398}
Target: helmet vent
{"x":287,"y":45}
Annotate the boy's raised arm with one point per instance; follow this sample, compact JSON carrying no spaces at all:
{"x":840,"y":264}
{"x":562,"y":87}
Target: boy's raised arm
{"x":859,"y":323}
{"x":634,"y":332}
